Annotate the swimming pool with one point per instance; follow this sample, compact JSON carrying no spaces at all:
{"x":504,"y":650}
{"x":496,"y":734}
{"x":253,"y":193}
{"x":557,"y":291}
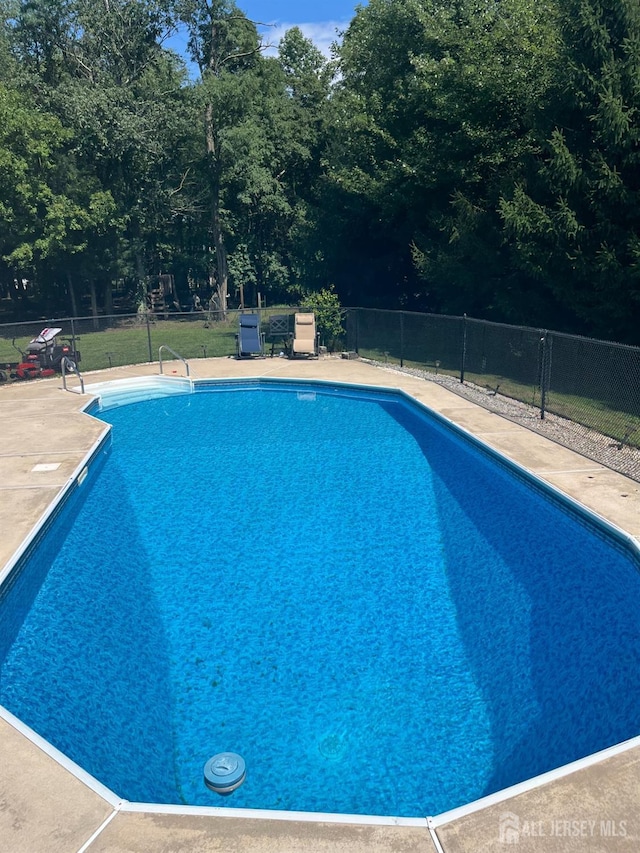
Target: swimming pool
{"x":366,"y":649}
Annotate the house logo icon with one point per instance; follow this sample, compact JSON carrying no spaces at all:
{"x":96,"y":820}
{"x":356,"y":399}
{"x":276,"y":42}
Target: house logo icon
{"x":509,"y":828}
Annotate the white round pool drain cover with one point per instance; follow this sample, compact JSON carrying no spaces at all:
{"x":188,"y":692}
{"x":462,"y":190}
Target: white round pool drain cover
{"x":224,"y":772}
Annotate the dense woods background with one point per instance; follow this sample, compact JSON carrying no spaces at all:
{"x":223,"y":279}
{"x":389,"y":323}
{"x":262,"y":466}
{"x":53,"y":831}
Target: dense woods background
{"x":478,"y":156}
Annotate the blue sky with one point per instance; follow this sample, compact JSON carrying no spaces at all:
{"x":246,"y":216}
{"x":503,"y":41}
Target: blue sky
{"x":318,"y":20}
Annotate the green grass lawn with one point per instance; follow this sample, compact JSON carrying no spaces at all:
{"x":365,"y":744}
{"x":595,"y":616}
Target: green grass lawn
{"x":130,"y":342}
{"x":596,"y":414}
{"x":190,"y":339}
{"x":387,"y":357}
{"x":593,"y":414}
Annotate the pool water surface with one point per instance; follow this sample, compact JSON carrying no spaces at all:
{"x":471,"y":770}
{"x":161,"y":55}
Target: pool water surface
{"x":367,"y":608}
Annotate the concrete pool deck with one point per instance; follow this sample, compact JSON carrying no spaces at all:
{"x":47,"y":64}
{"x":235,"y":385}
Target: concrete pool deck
{"x":44,"y":807}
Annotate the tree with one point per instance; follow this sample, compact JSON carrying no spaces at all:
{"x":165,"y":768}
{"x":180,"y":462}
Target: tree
{"x":34,"y":218}
{"x":434,"y":119}
{"x":261,"y":124}
{"x":123,"y":97}
{"x":308,"y":81}
{"x":39,"y":32}
{"x":224,"y":44}
{"x":325,"y":304}
{"x":573,"y":220}
{"x":101,"y":69}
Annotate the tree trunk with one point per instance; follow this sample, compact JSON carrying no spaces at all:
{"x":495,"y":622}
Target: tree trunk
{"x":142,"y":279}
{"x":108,"y":297}
{"x":94,"y":305}
{"x":222,"y":268}
{"x":72,"y":296}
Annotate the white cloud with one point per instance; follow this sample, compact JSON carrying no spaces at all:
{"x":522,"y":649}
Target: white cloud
{"x":321,"y":34}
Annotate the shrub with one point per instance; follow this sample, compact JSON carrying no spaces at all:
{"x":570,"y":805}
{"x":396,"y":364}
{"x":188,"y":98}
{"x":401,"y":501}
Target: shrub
{"x":326,"y":306}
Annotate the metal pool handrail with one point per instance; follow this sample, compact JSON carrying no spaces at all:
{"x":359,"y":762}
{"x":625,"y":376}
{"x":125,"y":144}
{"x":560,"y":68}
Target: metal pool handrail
{"x":67,"y":364}
{"x":173,"y":352}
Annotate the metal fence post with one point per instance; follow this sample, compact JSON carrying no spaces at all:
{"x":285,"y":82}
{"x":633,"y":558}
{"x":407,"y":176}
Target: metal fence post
{"x":357,"y":343}
{"x":73,"y":336}
{"x":149,"y":336}
{"x":402,"y":339}
{"x":463,"y":354}
{"x":543,"y":374}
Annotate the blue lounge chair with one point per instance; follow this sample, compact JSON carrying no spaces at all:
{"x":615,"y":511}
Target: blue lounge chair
{"x":249,"y":340}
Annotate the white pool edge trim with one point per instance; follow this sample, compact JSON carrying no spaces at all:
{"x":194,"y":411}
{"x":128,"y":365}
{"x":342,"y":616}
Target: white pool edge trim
{"x":272,"y":814}
{"x":76,"y":479}
{"x":60,"y":758}
{"x":534,"y":782}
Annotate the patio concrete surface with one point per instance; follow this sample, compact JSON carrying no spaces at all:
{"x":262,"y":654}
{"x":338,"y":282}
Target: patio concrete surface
{"x":44,"y":438}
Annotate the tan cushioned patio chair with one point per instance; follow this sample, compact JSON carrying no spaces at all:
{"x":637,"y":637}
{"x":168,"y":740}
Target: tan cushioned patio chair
{"x":305,"y":337}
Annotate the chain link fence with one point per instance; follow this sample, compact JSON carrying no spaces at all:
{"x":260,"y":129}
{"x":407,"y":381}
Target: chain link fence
{"x":582,"y":392}
{"x":589,"y":389}
{"x":112,"y":341}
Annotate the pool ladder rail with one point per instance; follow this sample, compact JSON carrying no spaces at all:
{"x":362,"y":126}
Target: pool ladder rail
{"x":67,"y":365}
{"x":174,"y":353}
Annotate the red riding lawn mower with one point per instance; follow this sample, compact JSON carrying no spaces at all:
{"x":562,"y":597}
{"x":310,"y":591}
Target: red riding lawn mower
{"x":43,"y":357}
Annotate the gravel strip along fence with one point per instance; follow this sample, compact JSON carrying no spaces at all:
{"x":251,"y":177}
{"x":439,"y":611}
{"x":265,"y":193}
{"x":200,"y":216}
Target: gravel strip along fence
{"x":588,"y":442}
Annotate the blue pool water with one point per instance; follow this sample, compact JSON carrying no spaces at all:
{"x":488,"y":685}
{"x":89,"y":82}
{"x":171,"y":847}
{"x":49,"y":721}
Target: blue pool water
{"x":375,"y":615}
